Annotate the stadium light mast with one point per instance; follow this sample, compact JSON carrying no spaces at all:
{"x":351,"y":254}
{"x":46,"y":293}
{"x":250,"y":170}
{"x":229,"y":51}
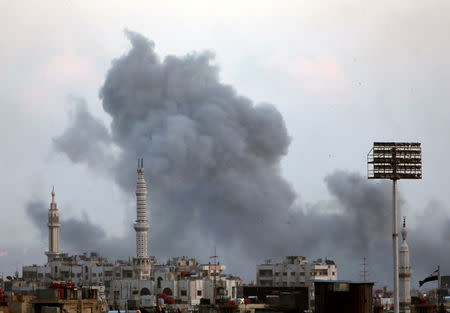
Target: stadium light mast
{"x":394,"y":161}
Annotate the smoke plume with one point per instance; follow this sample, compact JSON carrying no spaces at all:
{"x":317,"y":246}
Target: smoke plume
{"x":77,"y":232}
{"x":212,"y":161}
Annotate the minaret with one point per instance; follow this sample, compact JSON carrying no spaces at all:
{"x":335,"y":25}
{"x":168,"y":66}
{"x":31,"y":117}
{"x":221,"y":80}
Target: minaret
{"x":141,"y":263}
{"x":53,"y":230}
{"x":404,"y":274}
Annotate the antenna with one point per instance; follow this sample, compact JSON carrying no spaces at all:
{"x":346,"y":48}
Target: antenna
{"x":365,"y":272}
{"x":214,"y":257}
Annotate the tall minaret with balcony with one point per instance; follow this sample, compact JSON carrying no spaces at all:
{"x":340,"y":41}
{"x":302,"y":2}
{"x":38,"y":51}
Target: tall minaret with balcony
{"x":404,"y":274}
{"x":141,"y":263}
{"x":53,"y":230}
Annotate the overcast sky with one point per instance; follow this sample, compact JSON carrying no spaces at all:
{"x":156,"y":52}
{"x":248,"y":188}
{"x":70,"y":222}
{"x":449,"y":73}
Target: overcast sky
{"x":342,"y":75}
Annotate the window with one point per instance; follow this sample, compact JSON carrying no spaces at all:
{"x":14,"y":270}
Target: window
{"x":183,"y":293}
{"x":292,"y":273}
{"x":302,"y":273}
{"x":263,"y":273}
{"x":199,"y":293}
{"x":277,"y":273}
{"x":159,"y":282}
{"x":284,"y":273}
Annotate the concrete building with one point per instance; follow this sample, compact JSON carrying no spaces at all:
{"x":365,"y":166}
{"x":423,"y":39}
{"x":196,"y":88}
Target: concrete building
{"x":65,"y":299}
{"x":85,"y":269}
{"x":295,"y":271}
{"x":405,"y":272}
{"x":182,"y":279}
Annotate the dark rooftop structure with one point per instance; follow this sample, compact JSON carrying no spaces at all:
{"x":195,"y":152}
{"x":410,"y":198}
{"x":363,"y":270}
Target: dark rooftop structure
{"x":343,"y":296}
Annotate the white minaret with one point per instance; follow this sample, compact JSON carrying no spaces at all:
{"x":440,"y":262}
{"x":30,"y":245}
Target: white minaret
{"x":141,"y":226}
{"x":141,"y":263}
{"x":404,"y":274}
{"x":53,"y":230}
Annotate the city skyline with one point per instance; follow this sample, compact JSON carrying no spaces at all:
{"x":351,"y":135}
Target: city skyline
{"x":331,"y":77}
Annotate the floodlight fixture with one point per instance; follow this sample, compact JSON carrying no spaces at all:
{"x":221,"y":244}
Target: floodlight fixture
{"x":394,"y":161}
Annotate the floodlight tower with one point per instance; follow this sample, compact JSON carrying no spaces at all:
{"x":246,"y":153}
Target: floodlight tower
{"x":394,"y":161}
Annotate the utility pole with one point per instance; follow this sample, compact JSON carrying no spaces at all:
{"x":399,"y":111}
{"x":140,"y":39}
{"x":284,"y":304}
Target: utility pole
{"x":439,"y":286}
{"x":214,"y":257}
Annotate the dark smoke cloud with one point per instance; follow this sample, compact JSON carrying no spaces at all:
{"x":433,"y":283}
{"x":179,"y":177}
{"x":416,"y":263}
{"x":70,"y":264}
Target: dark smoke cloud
{"x":212,"y":165}
{"x":80,"y":234}
{"x":87,"y":140}
{"x":429,"y":242}
{"x":38,"y":215}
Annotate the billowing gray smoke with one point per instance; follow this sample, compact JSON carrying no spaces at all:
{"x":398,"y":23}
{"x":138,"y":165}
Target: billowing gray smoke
{"x":214,"y":155}
{"x":212,"y":162}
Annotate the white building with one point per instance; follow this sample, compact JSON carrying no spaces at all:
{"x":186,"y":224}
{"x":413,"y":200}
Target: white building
{"x":295,"y":271}
{"x":405,"y":272}
{"x":182,"y":279}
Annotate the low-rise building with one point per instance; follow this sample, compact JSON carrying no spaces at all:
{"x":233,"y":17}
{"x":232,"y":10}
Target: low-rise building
{"x":295,"y":271}
{"x":182,"y":279}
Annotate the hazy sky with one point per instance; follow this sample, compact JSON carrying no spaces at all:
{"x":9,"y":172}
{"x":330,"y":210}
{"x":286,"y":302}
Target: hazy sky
{"x":341,"y":73}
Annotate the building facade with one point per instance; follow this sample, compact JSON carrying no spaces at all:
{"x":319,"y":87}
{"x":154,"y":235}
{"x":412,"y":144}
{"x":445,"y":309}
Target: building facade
{"x":295,"y":271}
{"x":182,"y":279}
